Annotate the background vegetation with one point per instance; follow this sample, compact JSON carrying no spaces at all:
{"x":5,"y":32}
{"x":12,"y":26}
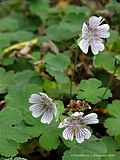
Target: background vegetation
{"x":39,"y":52}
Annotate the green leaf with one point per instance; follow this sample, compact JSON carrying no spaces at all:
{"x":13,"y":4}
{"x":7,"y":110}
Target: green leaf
{"x":60,"y":109}
{"x":112,"y":147}
{"x":100,"y":62}
{"x":113,"y":42}
{"x":92,"y":91}
{"x":69,"y":25}
{"x":63,"y":31}
{"x":40,"y":8}
{"x":17,"y":124}
{"x":59,"y":61}
{"x":8,"y":147}
{"x":9,"y":79}
{"x":56,"y":64}
{"x":112,"y":123}
{"x":9,"y":24}
{"x":91,"y":150}
{"x":6,"y":79}
{"x":8,"y":118}
{"x":50,"y":137}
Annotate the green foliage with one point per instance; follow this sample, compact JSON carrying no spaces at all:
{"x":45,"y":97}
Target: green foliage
{"x":92,"y":91}
{"x":9,"y":24}
{"x":57,"y":90}
{"x":100,"y":62}
{"x":60,"y":109}
{"x":39,"y":7}
{"x":112,"y":123}
{"x":16,"y":158}
{"x":17,"y":124}
{"x":114,"y":8}
{"x":86,"y":151}
{"x":113,"y":42}
{"x":70,"y":24}
{"x":16,"y":117}
{"x":95,"y":149}
{"x":56,"y":65}
{"x":50,"y":137}
{"x":5,"y":80}
{"x":64,"y":76}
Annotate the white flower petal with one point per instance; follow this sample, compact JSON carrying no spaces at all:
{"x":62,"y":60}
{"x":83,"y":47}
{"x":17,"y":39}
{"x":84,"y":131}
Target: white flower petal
{"x":85,"y":31}
{"x":95,"y":21}
{"x":76,"y":114}
{"x":102,"y":31}
{"x":47,"y":117}
{"x":68,"y":134}
{"x":84,"y":45}
{"x":34,"y":107}
{"x":35,"y":98}
{"x":79,"y":136}
{"x":91,"y":115}
{"x":96,"y":46}
{"x":36,"y":110}
{"x":61,"y":125}
{"x":64,"y":123}
{"x":83,"y":133}
{"x":87,"y":133}
{"x":84,"y":28}
{"x":43,"y":94}
{"x":90,"y":119}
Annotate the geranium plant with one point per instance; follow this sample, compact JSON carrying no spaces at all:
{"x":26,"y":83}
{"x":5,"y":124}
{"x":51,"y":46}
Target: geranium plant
{"x":59,"y":80}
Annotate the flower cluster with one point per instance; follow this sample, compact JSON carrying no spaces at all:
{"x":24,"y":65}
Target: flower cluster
{"x":93,"y":34}
{"x":75,"y":125}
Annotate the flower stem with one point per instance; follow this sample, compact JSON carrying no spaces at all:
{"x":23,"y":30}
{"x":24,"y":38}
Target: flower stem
{"x":75,"y":62}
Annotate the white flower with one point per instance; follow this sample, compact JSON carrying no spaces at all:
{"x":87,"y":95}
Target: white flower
{"x":76,"y":126}
{"x":93,"y":34}
{"x":42,"y":106}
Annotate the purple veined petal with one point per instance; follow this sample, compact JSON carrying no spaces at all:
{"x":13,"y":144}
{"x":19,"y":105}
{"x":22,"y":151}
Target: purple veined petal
{"x":76,"y":114}
{"x":87,"y":133}
{"x":82,"y":134}
{"x":95,"y":21}
{"x":102,"y":31}
{"x":35,"y":98}
{"x":36,"y":110}
{"x":96,"y":46}
{"x":47,"y":117}
{"x":90,"y":119}
{"x":34,"y":107}
{"x":84,"y":45}
{"x":68,"y":134}
{"x":79,"y":136}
